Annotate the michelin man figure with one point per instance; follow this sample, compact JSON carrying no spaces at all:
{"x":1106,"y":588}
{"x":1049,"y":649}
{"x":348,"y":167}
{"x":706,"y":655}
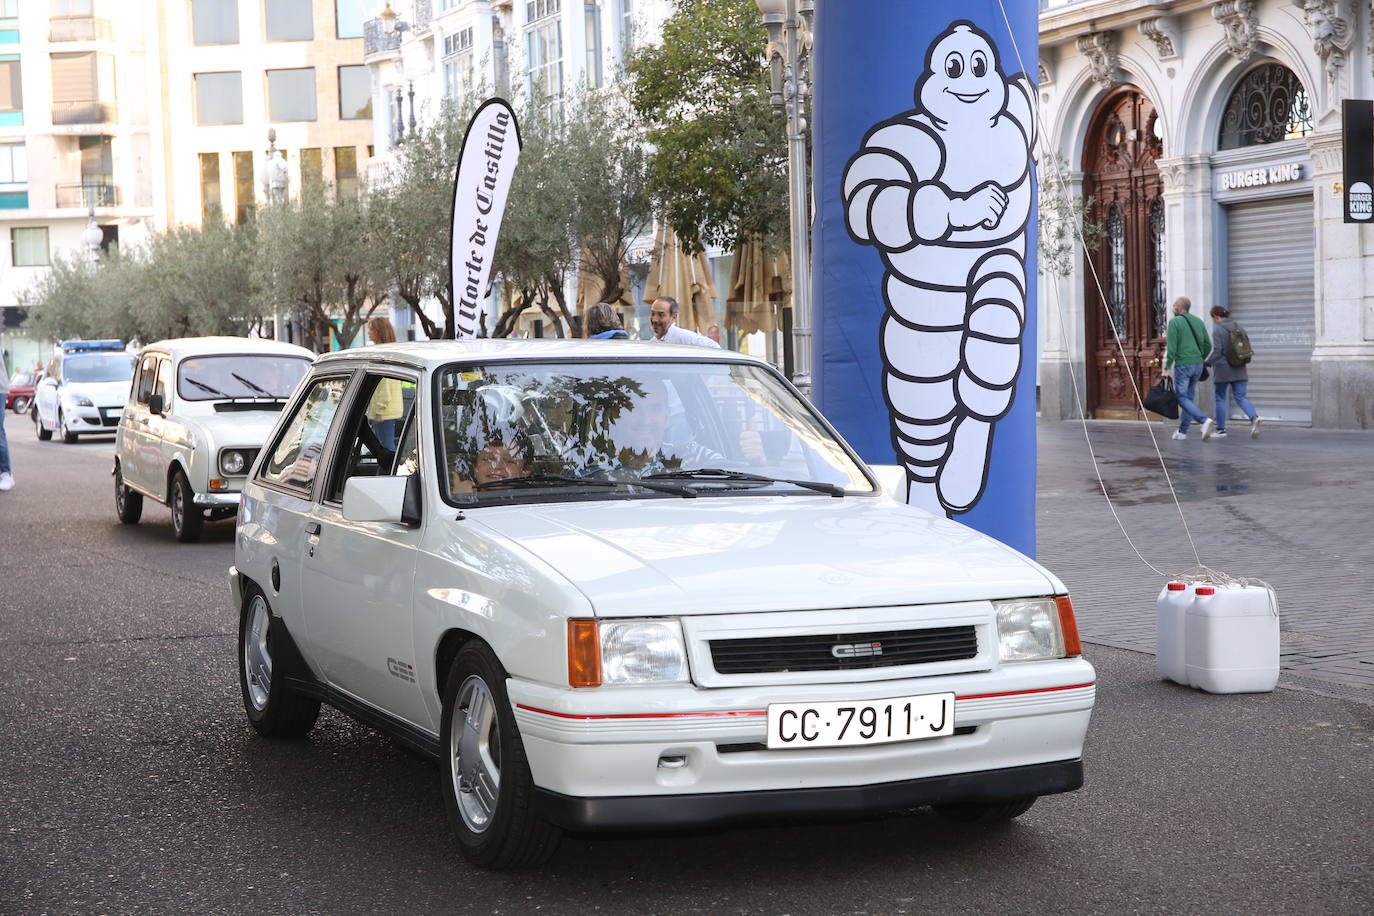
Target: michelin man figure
{"x":944,"y":193}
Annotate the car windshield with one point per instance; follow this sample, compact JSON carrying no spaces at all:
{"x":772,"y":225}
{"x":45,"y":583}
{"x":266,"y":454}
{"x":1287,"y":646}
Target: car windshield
{"x":583,"y":430}
{"x":244,"y":375}
{"x":99,"y":367}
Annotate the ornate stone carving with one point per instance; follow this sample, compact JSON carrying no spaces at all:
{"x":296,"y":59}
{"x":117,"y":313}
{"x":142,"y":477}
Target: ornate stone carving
{"x":1100,"y":50}
{"x":1046,"y":73}
{"x":1239,"y":19}
{"x":1161,"y":31}
{"x":1332,"y":35}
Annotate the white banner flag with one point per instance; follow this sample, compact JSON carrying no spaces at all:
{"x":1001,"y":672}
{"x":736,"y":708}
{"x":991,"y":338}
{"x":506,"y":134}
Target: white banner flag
{"x":491,"y":149}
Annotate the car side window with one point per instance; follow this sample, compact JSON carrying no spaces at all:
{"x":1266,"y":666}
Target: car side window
{"x":147,"y":371}
{"x":369,"y":445}
{"x":163,"y":385}
{"x":295,"y":456}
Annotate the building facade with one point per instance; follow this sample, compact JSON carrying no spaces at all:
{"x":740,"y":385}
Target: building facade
{"x":1206,"y":137}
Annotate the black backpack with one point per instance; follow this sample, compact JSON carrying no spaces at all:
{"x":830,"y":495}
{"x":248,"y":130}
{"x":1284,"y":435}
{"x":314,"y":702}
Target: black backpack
{"x":1238,"y":349}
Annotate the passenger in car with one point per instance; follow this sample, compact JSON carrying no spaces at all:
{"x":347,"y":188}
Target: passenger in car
{"x":504,"y":456}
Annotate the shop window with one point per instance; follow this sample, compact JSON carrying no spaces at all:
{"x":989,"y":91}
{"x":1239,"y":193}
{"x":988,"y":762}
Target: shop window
{"x":219,"y":98}
{"x":290,"y":20}
{"x":291,"y":94}
{"x":1159,"y":309}
{"x":245,"y":201}
{"x":355,"y":93}
{"x":29,"y":246}
{"x":1269,"y":105}
{"x":1116,"y":246}
{"x":211,"y":208}
{"x":215,"y":22}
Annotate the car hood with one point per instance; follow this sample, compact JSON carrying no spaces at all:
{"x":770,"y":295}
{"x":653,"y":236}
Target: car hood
{"x":739,"y":554}
{"x":102,"y":394}
{"x":248,"y":428}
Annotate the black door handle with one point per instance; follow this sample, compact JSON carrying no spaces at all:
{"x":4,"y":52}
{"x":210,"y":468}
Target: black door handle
{"x":312,"y":528}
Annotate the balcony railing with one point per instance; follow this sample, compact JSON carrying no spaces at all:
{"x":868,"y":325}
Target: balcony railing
{"x":376,"y":40}
{"x":88,"y":194}
{"x":85,"y":29}
{"x":84,"y":112}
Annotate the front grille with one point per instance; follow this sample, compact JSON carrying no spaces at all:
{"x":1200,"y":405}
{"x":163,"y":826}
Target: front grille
{"x":843,"y":651}
{"x":109,"y":416}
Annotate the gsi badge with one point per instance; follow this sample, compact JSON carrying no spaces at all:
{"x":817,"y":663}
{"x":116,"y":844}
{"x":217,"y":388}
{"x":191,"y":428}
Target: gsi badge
{"x":856,"y":650}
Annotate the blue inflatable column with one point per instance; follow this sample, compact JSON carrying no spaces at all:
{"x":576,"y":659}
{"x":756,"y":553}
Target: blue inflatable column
{"x":924,"y":248}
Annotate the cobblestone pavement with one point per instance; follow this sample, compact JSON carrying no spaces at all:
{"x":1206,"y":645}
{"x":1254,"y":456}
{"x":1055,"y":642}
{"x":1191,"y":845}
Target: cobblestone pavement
{"x":1294,"y":507}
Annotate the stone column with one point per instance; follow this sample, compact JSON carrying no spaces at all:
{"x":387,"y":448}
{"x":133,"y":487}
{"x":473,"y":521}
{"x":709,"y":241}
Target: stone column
{"x":1189,"y":227}
{"x":1343,"y":352}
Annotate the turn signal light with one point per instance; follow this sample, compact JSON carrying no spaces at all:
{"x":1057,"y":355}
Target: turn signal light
{"x":1068,"y":626}
{"x":584,"y":654}
{"x":218,"y":484}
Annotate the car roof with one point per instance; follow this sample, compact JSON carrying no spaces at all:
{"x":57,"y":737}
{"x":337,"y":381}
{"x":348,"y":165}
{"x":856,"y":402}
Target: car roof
{"x":181,"y":347}
{"x":433,"y":353}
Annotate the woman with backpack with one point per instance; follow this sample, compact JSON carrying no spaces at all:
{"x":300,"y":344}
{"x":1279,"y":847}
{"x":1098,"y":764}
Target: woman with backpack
{"x":1228,"y":360}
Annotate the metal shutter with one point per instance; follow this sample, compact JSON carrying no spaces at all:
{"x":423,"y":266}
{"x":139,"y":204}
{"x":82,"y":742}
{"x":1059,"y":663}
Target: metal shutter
{"x":1269,"y":265}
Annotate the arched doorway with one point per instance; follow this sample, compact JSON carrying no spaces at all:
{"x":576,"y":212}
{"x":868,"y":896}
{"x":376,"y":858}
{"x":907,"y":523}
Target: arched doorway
{"x":1127,"y":279}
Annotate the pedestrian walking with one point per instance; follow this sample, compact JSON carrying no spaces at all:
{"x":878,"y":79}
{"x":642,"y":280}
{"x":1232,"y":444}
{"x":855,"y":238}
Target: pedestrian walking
{"x":663,"y":318}
{"x":604,"y":324}
{"x":1185,"y":354}
{"x":1228,"y":360}
{"x":6,"y":478}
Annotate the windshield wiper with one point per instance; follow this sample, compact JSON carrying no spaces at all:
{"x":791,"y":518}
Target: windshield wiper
{"x":723,"y":474}
{"x":204,"y":387}
{"x":258,"y":388}
{"x":544,"y":480}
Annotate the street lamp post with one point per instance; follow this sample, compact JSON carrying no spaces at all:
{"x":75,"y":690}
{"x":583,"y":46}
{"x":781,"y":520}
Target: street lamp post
{"x":393,"y":24}
{"x":275,"y":180}
{"x":92,"y":237}
{"x":789,"y":53}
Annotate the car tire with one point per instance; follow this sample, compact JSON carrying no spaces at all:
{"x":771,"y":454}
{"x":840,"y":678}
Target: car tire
{"x":274,"y":710}
{"x":985,"y":813}
{"x":67,"y":435}
{"x":488,"y":789}
{"x":43,"y":434}
{"x":188,"y":519}
{"x":21,"y":405}
{"x":128,"y":503}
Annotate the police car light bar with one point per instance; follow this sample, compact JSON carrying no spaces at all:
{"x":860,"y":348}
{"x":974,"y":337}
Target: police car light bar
{"x":77,"y":346}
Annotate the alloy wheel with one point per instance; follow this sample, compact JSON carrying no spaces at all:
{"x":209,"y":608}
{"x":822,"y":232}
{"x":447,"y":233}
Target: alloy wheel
{"x":257,"y":660}
{"x":475,"y":745}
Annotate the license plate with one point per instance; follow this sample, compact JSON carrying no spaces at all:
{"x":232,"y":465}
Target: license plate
{"x":792,"y":725}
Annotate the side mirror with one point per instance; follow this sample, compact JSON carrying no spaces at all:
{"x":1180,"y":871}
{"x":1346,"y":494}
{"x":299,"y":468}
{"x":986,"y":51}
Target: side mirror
{"x":383,"y":499}
{"x":155,"y":404}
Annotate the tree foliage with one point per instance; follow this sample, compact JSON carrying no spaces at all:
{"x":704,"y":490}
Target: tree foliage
{"x":718,"y":171}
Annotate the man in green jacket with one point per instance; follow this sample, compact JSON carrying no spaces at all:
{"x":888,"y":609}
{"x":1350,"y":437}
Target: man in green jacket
{"x":1185,"y":349}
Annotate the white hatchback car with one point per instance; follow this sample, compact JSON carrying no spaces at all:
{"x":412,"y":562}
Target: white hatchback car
{"x":638,"y":586}
{"x":83,"y":390}
{"x":198,"y":411}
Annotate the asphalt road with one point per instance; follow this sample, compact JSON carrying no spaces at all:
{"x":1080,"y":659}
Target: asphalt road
{"x":133,"y":783}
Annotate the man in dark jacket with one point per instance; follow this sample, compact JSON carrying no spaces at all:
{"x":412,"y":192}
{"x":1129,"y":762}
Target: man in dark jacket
{"x":1184,"y":354}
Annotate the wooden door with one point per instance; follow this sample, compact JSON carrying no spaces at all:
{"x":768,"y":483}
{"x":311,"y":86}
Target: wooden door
{"x":1126,"y":297}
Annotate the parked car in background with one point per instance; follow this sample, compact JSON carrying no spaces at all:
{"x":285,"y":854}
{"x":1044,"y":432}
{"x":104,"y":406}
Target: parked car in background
{"x":83,"y":389}
{"x":642,"y":589}
{"x":21,"y":390}
{"x":198,"y":411}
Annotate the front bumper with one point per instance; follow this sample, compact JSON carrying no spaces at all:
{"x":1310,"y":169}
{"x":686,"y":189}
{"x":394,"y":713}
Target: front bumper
{"x":714,"y":809}
{"x":216,"y":500}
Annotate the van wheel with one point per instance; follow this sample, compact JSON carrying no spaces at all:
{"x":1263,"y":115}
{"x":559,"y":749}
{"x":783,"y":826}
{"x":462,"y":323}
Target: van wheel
{"x":67,"y":435}
{"x":43,"y":434}
{"x":273,"y":709}
{"x":128,"y":503}
{"x":187,"y":518}
{"x":488,"y":789}
{"x":981,"y":813}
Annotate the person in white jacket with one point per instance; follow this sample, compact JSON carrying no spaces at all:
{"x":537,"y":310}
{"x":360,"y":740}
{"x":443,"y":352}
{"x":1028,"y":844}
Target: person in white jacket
{"x":663,"y":319}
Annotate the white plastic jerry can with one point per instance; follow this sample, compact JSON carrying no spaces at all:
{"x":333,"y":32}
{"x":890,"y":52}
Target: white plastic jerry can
{"x":1173,"y":602}
{"x":1231,"y":639}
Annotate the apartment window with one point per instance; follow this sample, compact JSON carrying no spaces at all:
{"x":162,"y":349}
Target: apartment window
{"x":592,"y":20}
{"x":290,"y":20}
{"x":538,"y":9}
{"x":72,"y":9}
{"x":219,"y":98}
{"x":215,"y":22}
{"x":627,"y":27}
{"x":11,"y":91}
{"x":244,"y":200}
{"x":346,"y":171}
{"x":82,"y":88}
{"x":349,"y":16}
{"x":9,"y":9}
{"x":458,"y":74}
{"x":355,"y":93}
{"x":544,"y":52}
{"x":211,"y":204}
{"x":458,"y":42}
{"x":14,"y":176}
{"x":312,"y":172}
{"x":29,"y":247}
{"x":97,"y":172}
{"x":291,"y":94}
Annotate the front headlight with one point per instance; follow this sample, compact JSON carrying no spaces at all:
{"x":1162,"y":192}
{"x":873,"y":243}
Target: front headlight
{"x":80,"y":400}
{"x":233,"y":461}
{"x":611,"y":652}
{"x":1029,"y":629}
